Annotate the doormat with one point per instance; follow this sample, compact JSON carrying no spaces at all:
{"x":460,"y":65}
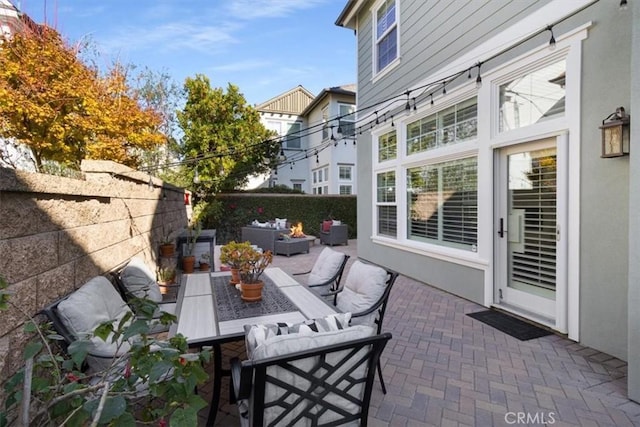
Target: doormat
{"x":510,"y":325}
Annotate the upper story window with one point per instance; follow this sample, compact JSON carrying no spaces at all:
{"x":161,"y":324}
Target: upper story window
{"x":387,"y":146}
{"x":325,"y":122}
{"x":293,"y":135}
{"x":347,"y":122}
{"x":449,"y":126}
{"x":533,"y":97}
{"x":344,"y":172}
{"x":386,"y":34}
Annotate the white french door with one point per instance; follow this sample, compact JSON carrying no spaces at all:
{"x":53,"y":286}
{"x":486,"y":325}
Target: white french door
{"x":530,"y":259}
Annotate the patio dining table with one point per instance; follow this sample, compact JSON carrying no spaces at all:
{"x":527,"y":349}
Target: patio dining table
{"x":210,"y":313}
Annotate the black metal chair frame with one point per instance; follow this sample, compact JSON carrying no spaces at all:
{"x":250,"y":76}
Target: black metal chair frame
{"x":333,"y":283}
{"x":251,"y":376}
{"x":381,"y":307}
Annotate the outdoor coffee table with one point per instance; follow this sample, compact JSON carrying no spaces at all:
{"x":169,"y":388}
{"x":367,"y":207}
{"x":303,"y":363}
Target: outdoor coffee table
{"x":211,"y":313}
{"x":292,"y":246}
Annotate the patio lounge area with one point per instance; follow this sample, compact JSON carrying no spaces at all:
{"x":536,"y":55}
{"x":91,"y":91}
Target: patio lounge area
{"x":443,"y":368}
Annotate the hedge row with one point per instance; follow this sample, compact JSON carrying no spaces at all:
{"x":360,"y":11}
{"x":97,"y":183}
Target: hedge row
{"x":228,"y":213}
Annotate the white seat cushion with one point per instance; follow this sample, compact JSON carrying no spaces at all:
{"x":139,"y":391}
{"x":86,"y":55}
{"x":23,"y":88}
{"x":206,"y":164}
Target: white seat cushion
{"x":140,"y":280}
{"x":282,"y":344}
{"x":363,"y":287}
{"x":326,"y":266}
{"x":96,"y":302}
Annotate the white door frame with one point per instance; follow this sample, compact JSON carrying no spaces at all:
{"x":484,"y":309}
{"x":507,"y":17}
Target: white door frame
{"x":553,"y":314}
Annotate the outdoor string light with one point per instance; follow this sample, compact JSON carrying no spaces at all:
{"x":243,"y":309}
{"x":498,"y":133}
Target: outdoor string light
{"x":392,"y":99}
{"x":552,"y":40}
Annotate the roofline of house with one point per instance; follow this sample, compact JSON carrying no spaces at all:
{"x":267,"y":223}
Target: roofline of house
{"x":347,"y":16}
{"x":260,"y":107}
{"x":336,"y":90}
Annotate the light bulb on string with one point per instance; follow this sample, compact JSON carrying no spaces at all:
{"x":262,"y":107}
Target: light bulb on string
{"x":444,"y":88}
{"x":414,"y":104}
{"x":407,"y":106}
{"x":150,"y":183}
{"x":196,"y":177}
{"x":478,"y":78}
{"x":333,"y":138}
{"x":431,"y":96}
{"x":552,"y":40}
{"x":376,"y":113}
{"x":392,"y":124}
{"x":623,"y":5}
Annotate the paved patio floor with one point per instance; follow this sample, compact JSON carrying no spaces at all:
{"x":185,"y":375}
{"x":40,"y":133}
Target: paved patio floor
{"x":443,"y":368}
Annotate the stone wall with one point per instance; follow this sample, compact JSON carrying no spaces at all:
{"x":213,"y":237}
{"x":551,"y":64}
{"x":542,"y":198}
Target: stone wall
{"x":56,"y":233}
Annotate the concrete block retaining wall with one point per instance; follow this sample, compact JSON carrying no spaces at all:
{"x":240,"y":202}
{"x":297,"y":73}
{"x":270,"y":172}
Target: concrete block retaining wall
{"x":56,"y":233}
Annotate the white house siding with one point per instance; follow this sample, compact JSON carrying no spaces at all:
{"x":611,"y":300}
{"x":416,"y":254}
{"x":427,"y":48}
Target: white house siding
{"x":434,"y":34}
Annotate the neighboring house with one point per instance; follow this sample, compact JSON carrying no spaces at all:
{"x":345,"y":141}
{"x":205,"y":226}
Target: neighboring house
{"x":282,"y":114}
{"x":9,"y":18}
{"x":318,"y":151}
{"x":497,"y":191}
{"x":330,"y":133}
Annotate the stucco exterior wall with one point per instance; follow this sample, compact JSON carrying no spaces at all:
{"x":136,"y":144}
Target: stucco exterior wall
{"x":56,"y":233}
{"x":434,"y":34}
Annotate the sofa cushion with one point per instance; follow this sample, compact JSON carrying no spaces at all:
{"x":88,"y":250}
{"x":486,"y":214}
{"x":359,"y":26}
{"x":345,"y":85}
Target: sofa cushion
{"x":258,"y":335}
{"x":326,"y":266}
{"x":96,"y":302}
{"x":281,"y":223}
{"x":140,"y":280}
{"x":326,"y":226}
{"x":363,"y":287}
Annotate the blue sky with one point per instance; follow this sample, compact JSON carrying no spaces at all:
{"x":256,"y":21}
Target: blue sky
{"x":265,"y":47}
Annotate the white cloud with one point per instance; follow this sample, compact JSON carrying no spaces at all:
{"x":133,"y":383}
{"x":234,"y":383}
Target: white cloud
{"x":242,"y":66}
{"x":171,"y":36}
{"x":256,"y":9}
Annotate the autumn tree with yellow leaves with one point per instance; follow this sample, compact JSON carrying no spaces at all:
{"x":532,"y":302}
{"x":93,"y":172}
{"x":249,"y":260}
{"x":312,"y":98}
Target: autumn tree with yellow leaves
{"x":63,"y":110}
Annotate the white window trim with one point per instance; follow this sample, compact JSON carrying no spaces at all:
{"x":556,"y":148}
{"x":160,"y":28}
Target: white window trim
{"x":376,"y":75}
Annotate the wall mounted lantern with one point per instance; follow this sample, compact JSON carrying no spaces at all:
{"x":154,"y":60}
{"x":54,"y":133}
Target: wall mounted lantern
{"x":615,"y":134}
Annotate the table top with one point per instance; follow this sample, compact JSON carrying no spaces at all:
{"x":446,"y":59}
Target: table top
{"x":208,"y":312}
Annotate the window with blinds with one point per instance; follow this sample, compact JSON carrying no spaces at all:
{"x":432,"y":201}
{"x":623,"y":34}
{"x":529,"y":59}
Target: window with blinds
{"x":386,"y":208}
{"x":532,"y":194}
{"x":387,"y":146}
{"x":452,"y":125}
{"x":442,"y":203}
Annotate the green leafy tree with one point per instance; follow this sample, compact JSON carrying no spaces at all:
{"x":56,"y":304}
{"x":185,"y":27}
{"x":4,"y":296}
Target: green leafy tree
{"x":226,"y":136}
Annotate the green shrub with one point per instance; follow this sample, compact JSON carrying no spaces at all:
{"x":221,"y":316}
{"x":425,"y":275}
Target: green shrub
{"x":228,"y":213}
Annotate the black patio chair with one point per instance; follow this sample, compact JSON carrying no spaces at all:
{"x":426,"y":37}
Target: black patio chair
{"x":326,"y":274}
{"x":367,"y":285}
{"x":329,"y":385}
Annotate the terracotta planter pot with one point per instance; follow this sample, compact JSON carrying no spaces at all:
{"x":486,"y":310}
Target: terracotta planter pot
{"x":235,"y":276}
{"x":204,"y":266}
{"x":167,"y":250}
{"x":188,"y":263}
{"x":251,"y":291}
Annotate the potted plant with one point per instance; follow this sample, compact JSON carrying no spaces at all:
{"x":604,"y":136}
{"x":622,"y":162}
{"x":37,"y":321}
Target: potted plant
{"x":231,"y":255}
{"x":167,"y":245}
{"x":204,"y":261}
{"x":251,"y":268}
{"x":188,"y":258}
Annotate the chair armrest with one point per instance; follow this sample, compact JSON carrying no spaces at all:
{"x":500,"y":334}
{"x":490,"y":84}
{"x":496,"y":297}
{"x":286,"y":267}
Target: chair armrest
{"x":301,"y":273}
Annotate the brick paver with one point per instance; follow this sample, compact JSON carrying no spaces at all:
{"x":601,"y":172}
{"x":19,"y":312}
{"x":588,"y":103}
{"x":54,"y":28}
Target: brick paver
{"x":443,"y":368}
